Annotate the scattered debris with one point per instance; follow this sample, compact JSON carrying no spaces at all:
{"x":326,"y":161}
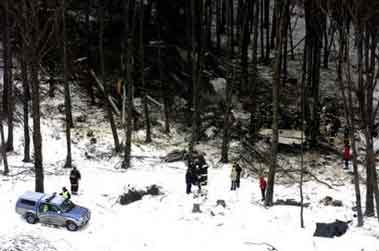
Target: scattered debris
{"x":81,"y":118}
{"x":290,"y":202}
{"x":90,"y":133}
{"x":176,"y":155}
{"x":329,"y":230}
{"x":329,"y":201}
{"x":133,"y":194}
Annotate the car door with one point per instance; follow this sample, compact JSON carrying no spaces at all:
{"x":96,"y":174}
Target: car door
{"x":55,"y":216}
{"x":58,"y":216}
{"x":44,"y":216}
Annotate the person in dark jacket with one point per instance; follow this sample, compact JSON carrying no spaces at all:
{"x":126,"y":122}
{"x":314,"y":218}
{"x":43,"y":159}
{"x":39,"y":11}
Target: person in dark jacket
{"x":189,"y":180}
{"x":262,"y":186}
{"x":233,"y":178}
{"x":346,"y":155}
{"x":74,"y":180}
{"x":238,"y":170}
{"x":335,"y":126}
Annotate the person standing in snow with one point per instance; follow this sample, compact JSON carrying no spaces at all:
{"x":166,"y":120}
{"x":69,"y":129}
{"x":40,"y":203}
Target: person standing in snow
{"x":238,"y":170}
{"x":346,"y":154}
{"x":262,"y":186}
{"x":189,"y":180}
{"x":233,"y":177}
{"x":65,"y":193}
{"x":74,"y":180}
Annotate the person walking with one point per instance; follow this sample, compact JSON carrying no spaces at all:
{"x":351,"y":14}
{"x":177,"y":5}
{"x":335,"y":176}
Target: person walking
{"x":189,"y":180}
{"x":233,"y":178}
{"x":238,"y":170}
{"x":75,"y":176}
{"x":346,"y":155}
{"x":262,"y":186}
{"x":65,"y":193}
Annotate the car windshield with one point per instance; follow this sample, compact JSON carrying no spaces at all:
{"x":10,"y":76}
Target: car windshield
{"x":67,"y":205}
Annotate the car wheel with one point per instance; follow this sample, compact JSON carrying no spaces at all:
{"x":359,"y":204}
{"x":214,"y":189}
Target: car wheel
{"x":71,"y":226}
{"x":31,"y":218}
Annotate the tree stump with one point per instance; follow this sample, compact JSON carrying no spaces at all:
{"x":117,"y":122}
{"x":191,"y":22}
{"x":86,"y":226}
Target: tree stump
{"x":196,"y":208}
{"x":221,"y":203}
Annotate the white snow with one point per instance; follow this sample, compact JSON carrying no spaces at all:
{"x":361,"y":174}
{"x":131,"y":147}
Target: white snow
{"x":164,"y":222}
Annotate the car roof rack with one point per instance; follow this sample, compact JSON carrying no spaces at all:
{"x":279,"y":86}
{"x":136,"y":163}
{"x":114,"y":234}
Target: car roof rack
{"x":51,"y":197}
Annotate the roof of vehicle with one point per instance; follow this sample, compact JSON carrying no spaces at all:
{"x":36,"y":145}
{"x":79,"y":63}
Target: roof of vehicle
{"x":57,"y":200}
{"x":53,"y":199}
{"x":33,"y":196}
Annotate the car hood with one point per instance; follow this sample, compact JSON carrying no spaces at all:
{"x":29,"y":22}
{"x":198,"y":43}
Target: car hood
{"x":77,"y":212}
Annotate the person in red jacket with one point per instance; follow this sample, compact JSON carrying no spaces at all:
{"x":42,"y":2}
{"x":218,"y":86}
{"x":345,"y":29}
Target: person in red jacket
{"x":346,"y":155}
{"x":262,"y":186}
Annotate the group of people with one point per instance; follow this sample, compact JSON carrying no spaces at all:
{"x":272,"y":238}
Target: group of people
{"x":195,"y":176}
{"x":75,"y":176}
{"x":235,"y":176}
{"x":197,"y":173}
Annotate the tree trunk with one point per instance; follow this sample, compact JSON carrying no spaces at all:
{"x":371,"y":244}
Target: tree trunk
{"x":314,"y":17}
{"x":287,"y":21}
{"x":129,"y":99}
{"x":7,"y":76}
{"x":37,"y":138}
{"x":245,"y":40}
{"x":67,"y":96}
{"x":371,"y":117}
{"x":350,"y":119}
{"x":142,"y":72}
{"x":3,"y":150}
{"x":25,"y":101}
{"x":194,"y":136}
{"x":218,"y":24}
{"x":267,"y":27}
{"x":106,"y":86}
{"x":89,"y":58}
{"x":275,"y":107}
{"x":261,"y":19}
{"x":229,"y":90}
{"x":253,"y":127}
{"x":302,"y":165}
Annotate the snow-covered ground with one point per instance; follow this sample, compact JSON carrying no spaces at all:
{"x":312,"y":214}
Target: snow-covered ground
{"x":163,"y":222}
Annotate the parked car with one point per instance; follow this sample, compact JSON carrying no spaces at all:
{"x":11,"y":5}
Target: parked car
{"x":52,"y":209}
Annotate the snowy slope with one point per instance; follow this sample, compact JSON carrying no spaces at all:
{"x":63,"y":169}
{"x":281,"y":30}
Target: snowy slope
{"x":164,"y":222}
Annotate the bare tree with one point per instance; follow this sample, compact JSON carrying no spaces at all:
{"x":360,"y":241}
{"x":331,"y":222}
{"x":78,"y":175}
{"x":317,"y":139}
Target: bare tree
{"x":102,"y":71}
{"x":347,"y":96}
{"x":142,"y":72}
{"x":7,"y":74}
{"x":28,"y":20}
{"x":3,"y":150}
{"x":67,"y":96}
{"x":275,"y":102}
{"x":229,"y":86}
{"x":128,"y":89}
{"x":25,"y":101}
{"x":194,"y":109}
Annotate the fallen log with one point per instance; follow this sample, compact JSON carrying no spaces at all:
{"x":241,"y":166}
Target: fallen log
{"x":100,"y":86}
